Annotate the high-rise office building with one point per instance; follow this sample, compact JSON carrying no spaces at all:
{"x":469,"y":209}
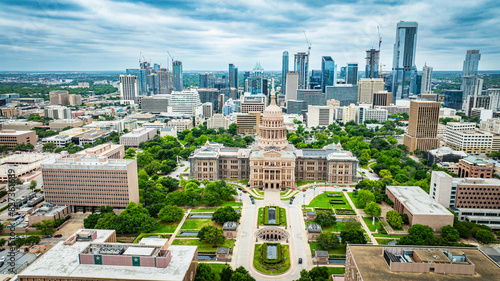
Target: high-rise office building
{"x":342,"y":73}
{"x":209,"y":95}
{"x":177,"y":66}
{"x":372,"y":63}
{"x":257,"y":85}
{"x":129,"y":87}
{"x":471,"y":83}
{"x":163,"y":80}
{"x":426,"y":80}
{"x":315,"y":79}
{"x":328,"y":72}
{"x":292,"y":84}
{"x":233,"y":76}
{"x":367,"y":87}
{"x":59,"y":97}
{"x":207,"y":80}
{"x":382,"y":98}
{"x":404,"y":71}
{"x":184,"y":101}
{"x":352,"y":73}
{"x":422,"y":126}
{"x":284,"y":71}
{"x":258,"y":70}
{"x":345,"y":93}
{"x":141,"y":78}
{"x":301,"y":65}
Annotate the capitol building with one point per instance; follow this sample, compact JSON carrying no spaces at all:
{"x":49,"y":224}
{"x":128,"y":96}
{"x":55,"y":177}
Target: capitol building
{"x":272,"y":162}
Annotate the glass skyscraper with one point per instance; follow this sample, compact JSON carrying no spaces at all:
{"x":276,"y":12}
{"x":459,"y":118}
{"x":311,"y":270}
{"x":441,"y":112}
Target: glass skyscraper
{"x":469,"y":75}
{"x":284,"y":71}
{"x":233,"y":76}
{"x":177,"y":66}
{"x":301,"y":65}
{"x":404,"y":71}
{"x":328,"y":72}
{"x":352,"y":73}
{"x":141,"y":78}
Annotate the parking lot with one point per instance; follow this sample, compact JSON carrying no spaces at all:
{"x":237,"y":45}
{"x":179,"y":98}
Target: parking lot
{"x":22,"y":261}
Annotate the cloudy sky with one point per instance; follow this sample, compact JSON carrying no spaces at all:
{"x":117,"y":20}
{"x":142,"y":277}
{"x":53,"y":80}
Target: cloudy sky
{"x":209,"y":34}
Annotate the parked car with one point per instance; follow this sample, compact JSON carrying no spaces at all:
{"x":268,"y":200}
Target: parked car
{"x":48,"y":236}
{"x":58,"y":235}
{"x":4,"y":200}
{"x":2,"y":259}
{"x":300,"y":260}
{"x":2,"y":249}
{"x":244,"y":191}
{"x":344,"y":189}
{"x":239,"y":188}
{"x":24,"y":236}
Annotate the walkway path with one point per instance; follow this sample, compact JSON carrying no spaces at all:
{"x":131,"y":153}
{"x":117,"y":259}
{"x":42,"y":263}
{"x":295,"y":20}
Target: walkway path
{"x":360,"y":214}
{"x":186,"y":215}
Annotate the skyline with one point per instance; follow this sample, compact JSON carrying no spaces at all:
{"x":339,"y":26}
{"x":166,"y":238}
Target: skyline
{"x":110,"y":35}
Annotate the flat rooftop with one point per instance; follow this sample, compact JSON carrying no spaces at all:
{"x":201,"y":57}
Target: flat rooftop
{"x":13,"y":132}
{"x":62,"y":261}
{"x":417,"y":201}
{"x":372,"y":266}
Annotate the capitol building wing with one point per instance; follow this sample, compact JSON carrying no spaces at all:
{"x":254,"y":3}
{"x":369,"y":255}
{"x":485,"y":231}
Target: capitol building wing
{"x":271,"y":162}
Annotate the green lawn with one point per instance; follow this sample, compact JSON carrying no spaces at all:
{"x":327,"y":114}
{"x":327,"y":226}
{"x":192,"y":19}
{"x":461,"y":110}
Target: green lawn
{"x":369,"y":220}
{"x":387,"y":235}
{"x":259,"y":267}
{"x":260,"y":219}
{"x":207,"y":210}
{"x":340,"y":251}
{"x":203,"y":247}
{"x":381,"y":241}
{"x":166,"y":227}
{"x":195,"y":224}
{"x":303,"y":182}
{"x":335,"y":270}
{"x":323,"y":201}
{"x":230,"y":203}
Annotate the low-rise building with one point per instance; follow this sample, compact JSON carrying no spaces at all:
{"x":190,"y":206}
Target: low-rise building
{"x":322,"y":257}
{"x":48,"y":212}
{"x":10,"y":111}
{"x":248,"y":123}
{"x":20,"y":125}
{"x":156,"y":125}
{"x":11,"y":138}
{"x":473,"y":167}
{"x":450,"y":166}
{"x":169,"y":131}
{"x":24,"y":163}
{"x":142,"y":117}
{"x":443,"y":154}
{"x":230,"y":229}
{"x":57,"y":112}
{"x":313,"y":231}
{"x":419,"y":206}
{"x":364,"y":114}
{"x":319,"y":115}
{"x":155,"y":104}
{"x":58,"y":140}
{"x":461,"y":136}
{"x":110,"y":150}
{"x":134,"y":138}
{"x":181,"y":124}
{"x":473,"y":199}
{"x":219,"y":121}
{"x":417,"y":263}
{"x":93,"y":254}
{"x":60,"y":124}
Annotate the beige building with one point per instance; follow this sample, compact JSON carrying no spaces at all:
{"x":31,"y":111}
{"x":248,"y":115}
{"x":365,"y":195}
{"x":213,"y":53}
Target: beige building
{"x":134,"y":138}
{"x":272,"y":163}
{"x":248,"y":123}
{"x":58,"y":125}
{"x":345,"y":114}
{"x":367,"y":87}
{"x":88,"y":182}
{"x":20,"y":125}
{"x":319,"y":115}
{"x":11,"y":138}
{"x":59,"y":97}
{"x":382,"y":98}
{"x":181,"y":124}
{"x":419,"y":206}
{"x":422,"y":126}
{"x":75,"y":100}
{"x":465,"y":137}
{"x":219,"y":121}
{"x":333,"y":102}
{"x":10,"y":111}
{"x":110,"y":150}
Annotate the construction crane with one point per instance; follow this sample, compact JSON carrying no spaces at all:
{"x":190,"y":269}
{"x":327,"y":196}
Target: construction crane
{"x":308,"y":43}
{"x":379,"y":38}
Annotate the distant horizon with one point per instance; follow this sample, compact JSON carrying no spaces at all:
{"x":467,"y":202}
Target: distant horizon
{"x":195,"y":71}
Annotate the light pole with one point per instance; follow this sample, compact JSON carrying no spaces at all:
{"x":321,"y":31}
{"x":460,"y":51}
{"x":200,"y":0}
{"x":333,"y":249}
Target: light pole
{"x":304,"y":204}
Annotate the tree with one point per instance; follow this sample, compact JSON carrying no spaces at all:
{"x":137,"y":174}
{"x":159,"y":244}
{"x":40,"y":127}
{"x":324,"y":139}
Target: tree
{"x":373,"y":209}
{"x":450,"y":233}
{"x":319,"y":273}
{"x":33,"y":240}
{"x":190,"y":185}
{"x":33,"y":184}
{"x":134,"y":219}
{"x":421,"y":231}
{"x":49,"y":147}
{"x":214,"y":235}
{"x":130,"y":152}
{"x":171,"y":214}
{"x":225,"y":214}
{"x":2,"y":242}
{"x":19,"y":242}
{"x":233,"y":129}
{"x":354,"y":236}
{"x":325,"y":219}
{"x":226,"y":273}
{"x":364,"y":197}
{"x":204,"y":273}
{"x":394,"y":219}
{"x":241,"y":274}
{"x":106,"y":221}
{"x":46,"y":227}
{"x":485,"y":236}
{"x":327,"y":241}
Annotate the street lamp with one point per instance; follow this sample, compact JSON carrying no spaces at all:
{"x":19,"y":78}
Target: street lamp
{"x":304,"y":204}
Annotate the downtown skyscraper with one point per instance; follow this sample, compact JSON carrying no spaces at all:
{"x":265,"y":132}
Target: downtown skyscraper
{"x":351,"y":76}
{"x":328,"y":72}
{"x":404,"y":71}
{"x":426,"y":87}
{"x":284,"y":71}
{"x":469,"y":76}
{"x":177,"y":72}
{"x":372,"y":63}
{"x":233,"y":76}
{"x":301,"y":65}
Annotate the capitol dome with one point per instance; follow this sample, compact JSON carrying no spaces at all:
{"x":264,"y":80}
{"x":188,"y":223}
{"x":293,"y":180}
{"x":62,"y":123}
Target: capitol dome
{"x":272,"y":131}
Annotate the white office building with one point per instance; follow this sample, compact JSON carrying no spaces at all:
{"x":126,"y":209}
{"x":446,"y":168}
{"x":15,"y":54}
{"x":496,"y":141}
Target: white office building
{"x":185,"y":101}
{"x":319,"y":115}
{"x":129,"y":88}
{"x":57,"y":112}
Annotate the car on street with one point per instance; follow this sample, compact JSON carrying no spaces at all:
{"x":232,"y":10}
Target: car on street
{"x":344,"y":189}
{"x":239,"y":188}
{"x":58,"y":235}
{"x":48,"y":236}
{"x":244,"y":191}
{"x":300,"y":260}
